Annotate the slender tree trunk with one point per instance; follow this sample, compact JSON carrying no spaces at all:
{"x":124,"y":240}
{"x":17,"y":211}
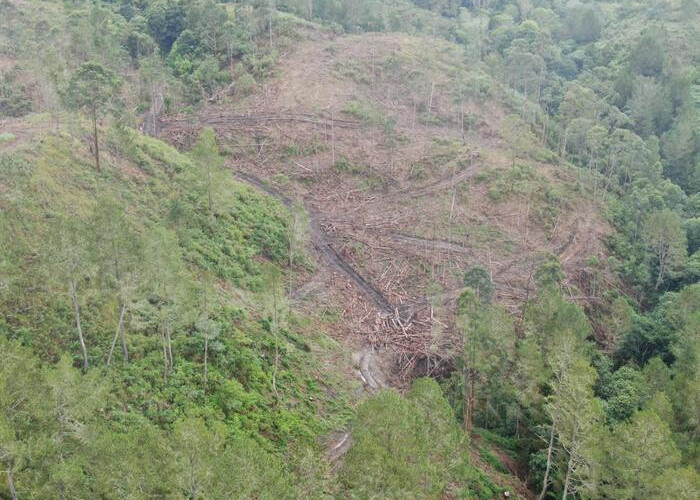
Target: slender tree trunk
{"x":116,"y":334}
{"x":167,"y":349}
{"x":430,"y":100}
{"x":292,"y":237}
{"x":567,"y":478}
{"x":206,"y":357}
{"x":165,"y":355}
{"x":122,"y":330}
{"x":662,"y":269}
{"x":465,"y":401}
{"x":472,"y":402}
{"x":11,"y":483}
{"x":562,"y":154}
{"x":544,"y":129}
{"x":169,"y":343}
{"x":332,"y":141}
{"x":413,"y":120}
{"x":207,"y":326}
{"x":94,"y":136}
{"x":76,"y":312}
{"x":465,"y":386}
{"x":545,"y":481}
{"x":272,"y":8}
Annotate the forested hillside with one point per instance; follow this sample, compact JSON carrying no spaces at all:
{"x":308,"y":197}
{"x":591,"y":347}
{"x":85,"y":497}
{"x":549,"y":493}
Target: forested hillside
{"x":350,"y":249}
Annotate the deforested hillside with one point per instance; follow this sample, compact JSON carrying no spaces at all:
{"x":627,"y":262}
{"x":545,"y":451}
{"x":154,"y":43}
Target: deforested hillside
{"x":412,"y":168}
{"x":349,"y":249}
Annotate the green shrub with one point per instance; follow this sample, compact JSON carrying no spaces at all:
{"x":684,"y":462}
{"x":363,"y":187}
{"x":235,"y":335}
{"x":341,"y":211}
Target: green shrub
{"x":15,"y":99}
{"x":245,"y":84}
{"x":6,"y":137}
{"x":365,"y":112}
{"x":405,"y":447}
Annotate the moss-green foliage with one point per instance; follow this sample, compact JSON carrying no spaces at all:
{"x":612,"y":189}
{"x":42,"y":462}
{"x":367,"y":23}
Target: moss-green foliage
{"x":491,"y":459}
{"x":6,"y":137}
{"x":517,"y":180}
{"x":248,"y":237}
{"x":15,"y":98}
{"x":480,"y":486}
{"x":364,"y":111}
{"x":444,"y":156}
{"x":507,"y":443}
{"x":91,"y":444}
{"x":345,"y":164}
{"x":405,"y":446}
{"x":411,"y":447}
{"x":355,"y":71}
{"x":304,"y":148}
{"x":546,"y":200}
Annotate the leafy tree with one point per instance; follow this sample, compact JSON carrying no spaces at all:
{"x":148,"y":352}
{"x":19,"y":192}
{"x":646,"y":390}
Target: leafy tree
{"x":118,"y":252}
{"x":680,"y":147}
{"x":682,"y":484}
{"x":518,"y":135}
{"x":68,"y":264}
{"x":649,"y":107}
{"x":206,"y":155}
{"x":666,"y":238}
{"x":486,"y":349}
{"x":628,"y":474}
{"x":583,"y":24}
{"x":623,"y":393}
{"x":91,"y":88}
{"x":478,"y":279}
{"x":206,"y":325}
{"x":648,"y":54}
{"x":166,"y":20}
{"x":166,"y":287}
{"x":130,"y":463}
{"x":646,"y":339}
{"x":212,"y":466}
{"x":403,"y":446}
{"x":22,"y":414}
{"x":574,"y":413}
{"x":44,"y":413}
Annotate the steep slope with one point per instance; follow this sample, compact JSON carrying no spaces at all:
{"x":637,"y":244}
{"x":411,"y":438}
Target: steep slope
{"x":146,"y":198}
{"x":408,"y":160}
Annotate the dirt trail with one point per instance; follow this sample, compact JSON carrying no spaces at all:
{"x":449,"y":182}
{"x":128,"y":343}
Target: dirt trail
{"x":22,"y":132}
{"x":370,"y":376}
{"x":323,"y":244}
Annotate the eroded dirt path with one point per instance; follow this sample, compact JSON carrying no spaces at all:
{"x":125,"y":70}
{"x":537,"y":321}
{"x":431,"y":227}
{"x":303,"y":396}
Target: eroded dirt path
{"x":371,"y":377}
{"x":323,"y":244}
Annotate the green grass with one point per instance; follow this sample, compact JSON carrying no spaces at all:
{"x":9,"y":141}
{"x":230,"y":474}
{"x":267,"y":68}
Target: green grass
{"x":365,"y":111}
{"x":6,"y":137}
{"x":507,"y":444}
{"x":492,"y":460}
